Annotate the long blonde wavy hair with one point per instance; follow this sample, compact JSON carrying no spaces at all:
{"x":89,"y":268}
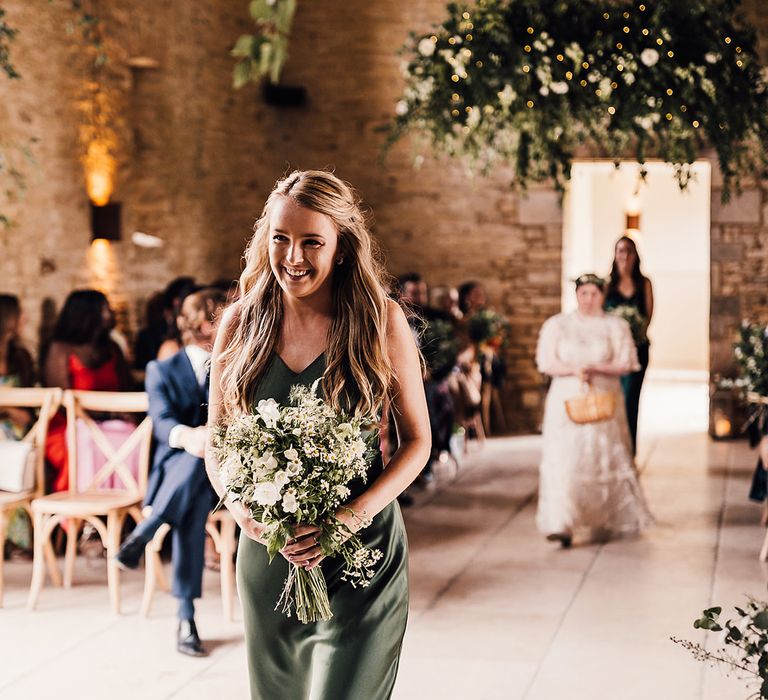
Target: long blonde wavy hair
{"x":357,"y":368}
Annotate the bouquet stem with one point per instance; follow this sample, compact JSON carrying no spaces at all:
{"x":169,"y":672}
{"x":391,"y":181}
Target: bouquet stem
{"x":308,"y":592}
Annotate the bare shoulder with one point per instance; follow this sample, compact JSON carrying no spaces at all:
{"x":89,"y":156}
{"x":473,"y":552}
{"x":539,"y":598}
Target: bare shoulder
{"x":397,"y":323}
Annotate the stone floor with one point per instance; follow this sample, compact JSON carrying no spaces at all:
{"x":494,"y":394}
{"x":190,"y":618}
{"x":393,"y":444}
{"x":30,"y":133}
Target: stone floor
{"x":496,"y":612}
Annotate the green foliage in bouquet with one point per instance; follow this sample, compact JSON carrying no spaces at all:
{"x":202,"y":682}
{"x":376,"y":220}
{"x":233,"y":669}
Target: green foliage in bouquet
{"x":524,"y":83}
{"x":743,"y":646}
{"x":292,"y":465}
{"x":439,"y":347}
{"x":751,"y":353}
{"x":487,"y":326}
{"x":263,"y":54}
{"x":638,"y":323}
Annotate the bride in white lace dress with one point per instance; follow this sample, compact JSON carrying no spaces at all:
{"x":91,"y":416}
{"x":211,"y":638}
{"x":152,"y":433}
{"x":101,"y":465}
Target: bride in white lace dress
{"x":588,"y":487}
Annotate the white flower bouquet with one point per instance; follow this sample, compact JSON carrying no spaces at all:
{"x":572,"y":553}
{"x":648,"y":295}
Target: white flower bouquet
{"x":638,"y":323}
{"x":292,"y":465}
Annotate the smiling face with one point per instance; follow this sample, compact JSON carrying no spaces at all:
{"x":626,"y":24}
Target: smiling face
{"x":626,"y":256}
{"x":590,"y":299}
{"x":303,"y":249}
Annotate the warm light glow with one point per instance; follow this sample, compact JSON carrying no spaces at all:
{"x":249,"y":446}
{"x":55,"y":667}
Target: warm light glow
{"x":633,"y":205}
{"x":102,"y":267}
{"x":100,"y":168}
{"x":722,"y":427}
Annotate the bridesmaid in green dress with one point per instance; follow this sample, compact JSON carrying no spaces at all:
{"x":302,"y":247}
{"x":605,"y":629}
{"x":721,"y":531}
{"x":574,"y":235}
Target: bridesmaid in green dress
{"x":313,"y":305}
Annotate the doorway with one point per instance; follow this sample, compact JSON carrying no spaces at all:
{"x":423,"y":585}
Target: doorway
{"x":671,"y":228}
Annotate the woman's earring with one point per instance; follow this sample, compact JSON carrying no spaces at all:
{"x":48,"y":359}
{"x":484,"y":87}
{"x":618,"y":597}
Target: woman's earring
{"x":339,"y":260}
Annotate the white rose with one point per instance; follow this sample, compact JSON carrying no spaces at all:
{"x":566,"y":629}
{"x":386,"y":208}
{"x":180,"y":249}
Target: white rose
{"x":266,"y":493}
{"x":426,"y":47}
{"x":269,"y":411}
{"x":559,"y":88}
{"x":290,"y":504}
{"x":650,"y":57}
{"x":281,"y":478}
{"x":401,"y":108}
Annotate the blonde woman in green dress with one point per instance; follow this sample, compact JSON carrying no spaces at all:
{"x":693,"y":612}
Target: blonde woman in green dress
{"x":314,"y":306}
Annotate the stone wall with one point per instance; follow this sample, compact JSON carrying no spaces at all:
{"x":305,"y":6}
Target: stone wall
{"x":198,"y":159}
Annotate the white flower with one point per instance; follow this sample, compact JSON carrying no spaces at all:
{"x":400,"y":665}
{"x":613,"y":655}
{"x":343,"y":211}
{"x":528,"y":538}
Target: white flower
{"x":544,"y":90}
{"x":473,"y":119}
{"x":344,"y":430}
{"x":291,"y":454}
{"x":342,"y":491}
{"x":359,"y":447}
{"x":711,"y":57}
{"x":269,"y":411}
{"x":650,"y":57}
{"x":401,"y":108}
{"x":629,"y":78}
{"x":290,"y":505}
{"x":281,"y":478}
{"x":426,"y":47}
{"x":605,"y":86}
{"x":507,"y":95}
{"x":229,"y":468}
{"x":559,"y":88}
{"x":266,"y":493}
{"x":651,"y":102}
{"x":646,"y":123}
{"x":293,"y":468}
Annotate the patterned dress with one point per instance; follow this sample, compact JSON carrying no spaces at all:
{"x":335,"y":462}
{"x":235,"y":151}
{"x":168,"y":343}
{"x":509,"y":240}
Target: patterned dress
{"x":588,"y":484}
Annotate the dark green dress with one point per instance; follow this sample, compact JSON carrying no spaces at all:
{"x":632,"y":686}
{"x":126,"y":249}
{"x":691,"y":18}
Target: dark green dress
{"x":353,"y":656}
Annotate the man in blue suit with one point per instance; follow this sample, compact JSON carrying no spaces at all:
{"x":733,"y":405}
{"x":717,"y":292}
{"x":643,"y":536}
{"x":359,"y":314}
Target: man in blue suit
{"x":178,"y":490}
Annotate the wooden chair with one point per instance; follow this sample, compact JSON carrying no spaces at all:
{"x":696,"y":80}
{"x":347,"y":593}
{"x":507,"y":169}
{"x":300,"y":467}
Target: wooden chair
{"x":46,"y":402}
{"x":93,"y":502}
{"x":221,"y":528}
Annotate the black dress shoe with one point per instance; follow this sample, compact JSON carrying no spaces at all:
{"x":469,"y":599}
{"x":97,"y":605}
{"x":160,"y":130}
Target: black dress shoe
{"x":129,"y":554}
{"x":187,"y":640}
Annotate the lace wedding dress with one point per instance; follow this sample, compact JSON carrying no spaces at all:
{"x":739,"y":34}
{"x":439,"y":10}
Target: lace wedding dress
{"x":588,"y":483}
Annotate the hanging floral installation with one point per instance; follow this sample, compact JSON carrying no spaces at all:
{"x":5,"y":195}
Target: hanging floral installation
{"x":263,"y":53}
{"x":527,"y":82}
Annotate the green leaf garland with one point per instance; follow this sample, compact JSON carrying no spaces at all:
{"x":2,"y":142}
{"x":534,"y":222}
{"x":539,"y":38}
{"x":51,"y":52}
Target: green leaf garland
{"x":528,"y":83}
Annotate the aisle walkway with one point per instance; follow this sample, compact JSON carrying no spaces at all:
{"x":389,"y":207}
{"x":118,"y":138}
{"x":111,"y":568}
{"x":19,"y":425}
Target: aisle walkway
{"x":496,"y":612}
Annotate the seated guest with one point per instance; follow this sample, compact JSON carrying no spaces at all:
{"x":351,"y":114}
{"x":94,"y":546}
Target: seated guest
{"x":445,"y":299}
{"x":178,"y":491}
{"x":173,"y":298}
{"x":16,"y":370}
{"x":81,"y":356}
{"x":151,"y":336}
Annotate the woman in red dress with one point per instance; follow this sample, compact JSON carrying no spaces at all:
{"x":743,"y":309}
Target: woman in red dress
{"x":81,"y":356}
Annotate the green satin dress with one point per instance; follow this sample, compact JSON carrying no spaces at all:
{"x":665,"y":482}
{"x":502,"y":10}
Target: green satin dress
{"x":353,"y":656}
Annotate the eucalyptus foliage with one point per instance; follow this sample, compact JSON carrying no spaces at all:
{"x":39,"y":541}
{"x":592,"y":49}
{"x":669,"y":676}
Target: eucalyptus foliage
{"x":263,"y":53}
{"x":527,"y":83}
{"x":742,"y":644}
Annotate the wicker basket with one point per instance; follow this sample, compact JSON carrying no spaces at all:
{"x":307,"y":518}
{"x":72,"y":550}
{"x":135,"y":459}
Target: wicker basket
{"x":592,"y":406}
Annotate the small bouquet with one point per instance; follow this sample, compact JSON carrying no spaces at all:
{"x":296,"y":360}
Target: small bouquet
{"x":638,"y":323}
{"x":751,"y":353}
{"x":488,"y":327}
{"x":292,"y":465}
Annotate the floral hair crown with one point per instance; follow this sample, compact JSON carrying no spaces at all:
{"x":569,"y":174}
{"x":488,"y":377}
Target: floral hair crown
{"x":590,"y":278}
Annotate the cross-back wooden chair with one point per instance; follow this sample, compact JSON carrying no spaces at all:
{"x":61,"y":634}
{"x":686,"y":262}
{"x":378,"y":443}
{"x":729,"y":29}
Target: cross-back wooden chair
{"x":92,"y":500}
{"x":221,"y":528}
{"x":46,"y":402}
